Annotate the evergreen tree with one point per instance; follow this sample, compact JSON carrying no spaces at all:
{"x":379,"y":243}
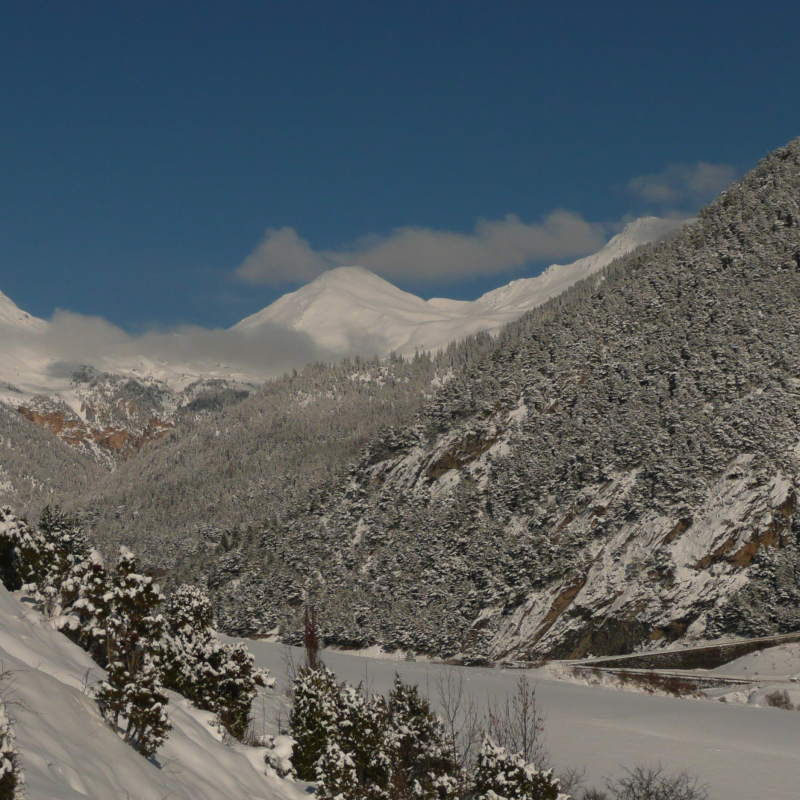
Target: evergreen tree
{"x":314,"y":718}
{"x":146,"y":704}
{"x":336,"y":775}
{"x":131,"y":639}
{"x":21,"y":551}
{"x":500,"y":775}
{"x":85,"y":601}
{"x":362,"y":733}
{"x":11,"y":780}
{"x":214,"y":676}
{"x":65,"y":546}
{"x":417,"y":744}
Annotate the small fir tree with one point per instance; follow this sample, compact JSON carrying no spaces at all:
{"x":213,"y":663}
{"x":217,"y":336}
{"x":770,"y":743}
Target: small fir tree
{"x":362,"y":733}
{"x":146,"y":704}
{"x":417,"y":744}
{"x":314,"y":718}
{"x":336,"y":775}
{"x":214,"y":676}
{"x":21,"y":551}
{"x":131,"y":639}
{"x":65,"y":547}
{"x":11,"y":780}
{"x":500,"y":775}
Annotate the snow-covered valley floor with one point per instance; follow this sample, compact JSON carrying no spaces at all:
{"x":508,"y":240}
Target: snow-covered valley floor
{"x":742,"y":752}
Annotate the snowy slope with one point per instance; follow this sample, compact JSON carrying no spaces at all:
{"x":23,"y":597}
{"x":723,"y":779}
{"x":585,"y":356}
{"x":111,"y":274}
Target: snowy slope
{"x":14,"y":318}
{"x":69,"y":753}
{"x":349,"y":309}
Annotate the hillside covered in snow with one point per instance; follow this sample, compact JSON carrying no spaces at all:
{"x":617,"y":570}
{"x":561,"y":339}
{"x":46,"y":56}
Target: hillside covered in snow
{"x":621,"y":471}
{"x":68,"y":752}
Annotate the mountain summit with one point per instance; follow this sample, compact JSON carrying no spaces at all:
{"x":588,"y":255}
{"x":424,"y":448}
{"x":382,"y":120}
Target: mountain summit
{"x":352,"y":310}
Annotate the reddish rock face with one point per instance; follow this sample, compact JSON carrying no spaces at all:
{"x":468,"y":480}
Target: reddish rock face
{"x":118,"y":441}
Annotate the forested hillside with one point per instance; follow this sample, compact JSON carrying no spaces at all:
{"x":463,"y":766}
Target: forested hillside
{"x":36,"y":468}
{"x":191,"y":500}
{"x":620,"y":470}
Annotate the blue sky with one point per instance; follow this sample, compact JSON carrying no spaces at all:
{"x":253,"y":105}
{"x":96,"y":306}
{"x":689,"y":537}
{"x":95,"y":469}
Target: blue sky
{"x":147,"y":150}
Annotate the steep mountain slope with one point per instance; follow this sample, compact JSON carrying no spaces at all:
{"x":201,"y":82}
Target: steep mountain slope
{"x":621,"y":471}
{"x":13,"y":318}
{"x":351,"y":310}
{"x":37,"y":468}
{"x":214,"y":479}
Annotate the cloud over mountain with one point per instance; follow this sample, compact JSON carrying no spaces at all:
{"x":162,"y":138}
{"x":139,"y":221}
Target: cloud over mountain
{"x":680,"y":183}
{"x":494,"y":247}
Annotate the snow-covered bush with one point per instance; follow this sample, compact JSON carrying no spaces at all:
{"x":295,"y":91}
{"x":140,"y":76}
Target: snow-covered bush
{"x":65,"y":547}
{"x":336,"y":775}
{"x":359,"y":751}
{"x":214,"y":676}
{"x":129,"y":629}
{"x":11,"y":780}
{"x":314,"y":718}
{"x":21,"y":551}
{"x":500,"y":775}
{"x":421,"y":760}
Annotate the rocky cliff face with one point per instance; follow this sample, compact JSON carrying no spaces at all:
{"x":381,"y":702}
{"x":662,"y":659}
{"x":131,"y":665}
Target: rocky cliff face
{"x":621,"y":472}
{"x":120,"y":414}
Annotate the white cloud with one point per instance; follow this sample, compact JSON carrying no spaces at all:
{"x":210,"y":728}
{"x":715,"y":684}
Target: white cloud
{"x":282,"y":256}
{"x":495,"y":247}
{"x":72,"y":339}
{"x":697,"y":183}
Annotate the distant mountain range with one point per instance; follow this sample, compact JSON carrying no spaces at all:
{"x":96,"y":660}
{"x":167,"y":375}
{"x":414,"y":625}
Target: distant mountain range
{"x":350,"y":309}
{"x":110,"y":399}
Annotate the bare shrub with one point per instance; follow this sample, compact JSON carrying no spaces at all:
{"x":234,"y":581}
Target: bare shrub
{"x":571,"y":780}
{"x":655,"y":681}
{"x":462,"y":722}
{"x":517,"y":724}
{"x":780,"y":699}
{"x":651,"y":783}
{"x":594,"y":794}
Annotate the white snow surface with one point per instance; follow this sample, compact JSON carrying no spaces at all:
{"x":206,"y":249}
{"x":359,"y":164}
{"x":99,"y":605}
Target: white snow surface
{"x":69,"y":753}
{"x":742,"y":752}
{"x":350,"y":309}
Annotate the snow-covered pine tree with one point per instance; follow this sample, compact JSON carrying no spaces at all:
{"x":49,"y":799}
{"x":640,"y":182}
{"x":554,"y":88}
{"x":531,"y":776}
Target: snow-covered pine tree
{"x":132,"y":643}
{"x":421,"y":762}
{"x":85,"y":602}
{"x":336,"y":775}
{"x":11,"y":780}
{"x":189,"y":617}
{"x":146,"y":704}
{"x":314,"y":717}
{"x":362,"y":733}
{"x":214,"y":676}
{"x":21,"y":551}
{"x":65,"y":546}
{"x":500,"y":775}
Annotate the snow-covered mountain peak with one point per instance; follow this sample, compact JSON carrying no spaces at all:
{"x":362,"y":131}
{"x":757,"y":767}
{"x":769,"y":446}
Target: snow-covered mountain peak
{"x":526,"y":293}
{"x":351,"y":309}
{"x":11,"y":316}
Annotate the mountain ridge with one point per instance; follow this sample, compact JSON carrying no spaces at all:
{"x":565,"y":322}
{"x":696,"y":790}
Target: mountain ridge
{"x":348,"y":306}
